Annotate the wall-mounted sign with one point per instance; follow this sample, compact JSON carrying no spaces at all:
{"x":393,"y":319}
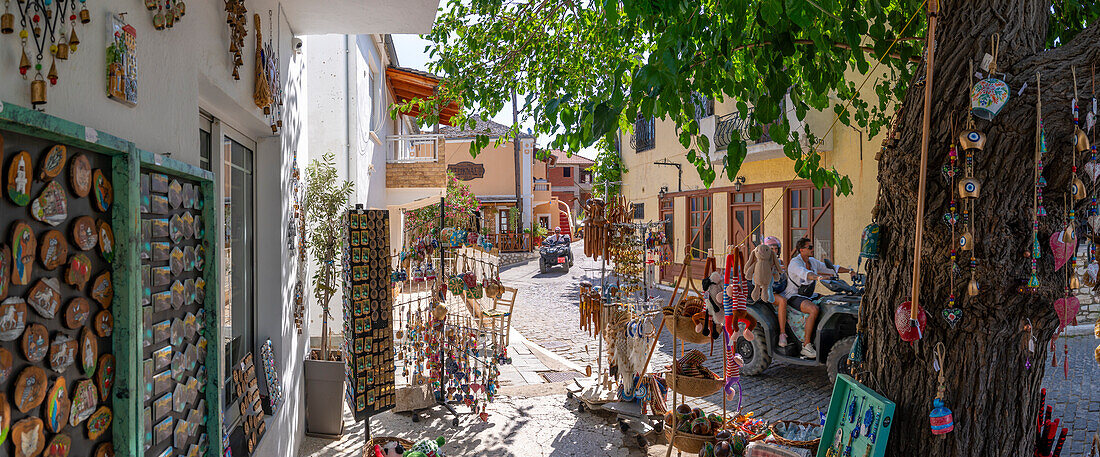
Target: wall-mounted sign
{"x":466,"y":171}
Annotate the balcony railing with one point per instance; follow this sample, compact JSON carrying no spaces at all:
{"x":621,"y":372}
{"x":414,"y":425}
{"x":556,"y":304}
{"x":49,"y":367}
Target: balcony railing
{"x":414,"y":148}
{"x":542,"y":186}
{"x":732,"y":127}
{"x":512,"y":242}
{"x":643,"y":138}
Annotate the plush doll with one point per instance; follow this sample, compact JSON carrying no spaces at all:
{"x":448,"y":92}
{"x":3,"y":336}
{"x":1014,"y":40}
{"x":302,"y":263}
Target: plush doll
{"x":712,"y":288}
{"x":427,"y":448}
{"x":733,"y":378}
{"x":763,"y":267}
{"x":390,"y":449}
{"x":734,"y":301}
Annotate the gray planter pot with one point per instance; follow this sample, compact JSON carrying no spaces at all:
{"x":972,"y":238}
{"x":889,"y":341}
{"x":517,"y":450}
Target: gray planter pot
{"x":324,"y":398}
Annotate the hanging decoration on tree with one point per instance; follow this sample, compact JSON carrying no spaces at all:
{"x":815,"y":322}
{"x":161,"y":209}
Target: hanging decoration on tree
{"x":951,"y":313}
{"x":990,"y":95}
{"x":236,"y":15}
{"x":1039,"y":183}
{"x":122,"y":62}
{"x":940,"y":417}
{"x":166,"y":13}
{"x":51,"y":26}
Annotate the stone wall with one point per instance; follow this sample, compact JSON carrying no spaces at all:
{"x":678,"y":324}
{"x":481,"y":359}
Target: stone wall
{"x":510,"y":258}
{"x":1089,"y":297}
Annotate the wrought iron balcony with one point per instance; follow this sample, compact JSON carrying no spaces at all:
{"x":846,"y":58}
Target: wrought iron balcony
{"x":731,"y":127}
{"x":643,"y":138}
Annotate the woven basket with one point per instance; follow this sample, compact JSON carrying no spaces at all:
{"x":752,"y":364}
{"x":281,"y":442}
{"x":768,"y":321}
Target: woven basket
{"x":688,"y":442}
{"x":684,"y":329}
{"x":812,"y":444}
{"x":693,"y":387}
{"x":382,"y":440}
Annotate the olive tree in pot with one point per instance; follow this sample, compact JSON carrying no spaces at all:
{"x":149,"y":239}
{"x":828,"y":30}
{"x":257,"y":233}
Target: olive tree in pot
{"x":324,"y":207}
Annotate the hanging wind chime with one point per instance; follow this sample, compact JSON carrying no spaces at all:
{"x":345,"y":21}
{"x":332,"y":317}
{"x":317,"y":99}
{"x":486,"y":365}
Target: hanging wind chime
{"x":168,"y":12}
{"x":46,"y":22}
{"x":236,"y":15}
{"x":273,"y":109}
{"x":951,"y":313}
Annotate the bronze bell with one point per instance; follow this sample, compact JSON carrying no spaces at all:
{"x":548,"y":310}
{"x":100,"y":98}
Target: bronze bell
{"x":969,"y":188}
{"x":150,"y":5}
{"x":972,"y":288}
{"x":62,"y":51}
{"x":24,"y":64}
{"x":1067,"y":234}
{"x":972,"y":139}
{"x":7,"y":21}
{"x":38,"y":91}
{"x":267,"y":110}
{"x":1074,"y":282}
{"x":1080,"y":140}
{"x":966,"y":241}
{"x":73,"y":40}
{"x":181,"y":9}
{"x":1077,"y":188}
{"x":85,"y":16}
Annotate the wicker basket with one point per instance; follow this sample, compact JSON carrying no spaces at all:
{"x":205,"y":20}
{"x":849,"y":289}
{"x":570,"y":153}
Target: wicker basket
{"x":684,"y":329}
{"x":688,"y":442}
{"x":381,"y":441}
{"x":693,"y":387}
{"x":811,"y":444}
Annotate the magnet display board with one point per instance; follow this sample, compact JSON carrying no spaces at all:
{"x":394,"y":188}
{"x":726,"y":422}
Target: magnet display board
{"x":855,"y":406}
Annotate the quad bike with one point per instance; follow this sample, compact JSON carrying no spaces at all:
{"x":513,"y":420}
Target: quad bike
{"x":553,"y":254}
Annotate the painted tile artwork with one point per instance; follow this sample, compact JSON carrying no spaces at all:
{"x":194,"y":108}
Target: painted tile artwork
{"x":50,"y":206}
{"x":53,"y":162}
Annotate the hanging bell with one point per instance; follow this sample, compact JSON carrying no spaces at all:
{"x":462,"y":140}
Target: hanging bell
{"x":1068,"y":236}
{"x":966,"y":241}
{"x":158,"y":21}
{"x":972,"y":288}
{"x":969,"y":188}
{"x":237,"y":60}
{"x":972,"y":139}
{"x":233,"y":49}
{"x":868,"y":243}
{"x":7,"y":23}
{"x":267,"y":110}
{"x":85,"y":16}
{"x":52,"y":75}
{"x":1080,"y":140}
{"x":941,"y":419}
{"x":181,"y":9}
{"x":73,"y":40}
{"x":24,"y":64}
{"x":274,"y":129}
{"x":1074,"y":282}
{"x":1077,"y":189}
{"x":169,"y":19}
{"x":38,"y":91}
{"x":150,"y":5}
{"x":62,"y":51}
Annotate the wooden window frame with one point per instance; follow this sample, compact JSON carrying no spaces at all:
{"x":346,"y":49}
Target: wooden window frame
{"x":788,"y":229}
{"x":704,"y":244}
{"x":733,"y":206}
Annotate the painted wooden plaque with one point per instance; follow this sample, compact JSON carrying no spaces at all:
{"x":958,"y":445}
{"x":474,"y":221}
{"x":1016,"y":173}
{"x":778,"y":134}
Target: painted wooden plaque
{"x":99,"y":422}
{"x":175,"y":194}
{"x":13,"y":318}
{"x":59,"y":446}
{"x":105,"y":376}
{"x":79,"y":272}
{"x":102,"y":289}
{"x":106,"y":241}
{"x":80,"y":176}
{"x":30,"y":388}
{"x":104,"y":324}
{"x":178,"y":292}
{"x":77,"y":313}
{"x":5,"y":270}
{"x":5,"y":418}
{"x":20,"y":173}
{"x":29,"y":437}
{"x":84,"y":401}
{"x":89,"y":348}
{"x":51,"y":206}
{"x":105,"y":450}
{"x":45,"y":297}
{"x":24,"y":247}
{"x":175,"y":227}
{"x":36,"y":343}
{"x":188,"y":225}
{"x":176,"y":261}
{"x":5,"y":368}
{"x":85,"y":236}
{"x":159,"y":182}
{"x":53,"y":162}
{"x":102,"y":193}
{"x":62,"y":352}
{"x":54,"y":249}
{"x":58,"y":406}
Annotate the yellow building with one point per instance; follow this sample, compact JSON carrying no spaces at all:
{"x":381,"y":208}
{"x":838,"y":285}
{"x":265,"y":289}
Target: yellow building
{"x":764,"y":199}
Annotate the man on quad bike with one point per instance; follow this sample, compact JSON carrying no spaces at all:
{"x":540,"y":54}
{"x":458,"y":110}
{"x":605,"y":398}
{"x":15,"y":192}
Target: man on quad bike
{"x":802,"y":275}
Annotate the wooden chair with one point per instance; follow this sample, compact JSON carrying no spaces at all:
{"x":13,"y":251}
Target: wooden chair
{"x":502,"y":312}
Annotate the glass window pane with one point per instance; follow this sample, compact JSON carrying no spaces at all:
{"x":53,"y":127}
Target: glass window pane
{"x":740,"y":216}
{"x":817,"y":197}
{"x":758,"y":197}
{"x":823,"y":235}
{"x":204,"y":150}
{"x":805,"y":218}
{"x":826,"y":195}
{"x":794,"y":219}
{"x":794,"y":199}
{"x":755,"y":217}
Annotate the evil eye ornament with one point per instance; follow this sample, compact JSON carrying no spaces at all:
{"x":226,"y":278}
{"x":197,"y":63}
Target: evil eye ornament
{"x":969,"y":188}
{"x":965,"y":242}
{"x":972,"y":139}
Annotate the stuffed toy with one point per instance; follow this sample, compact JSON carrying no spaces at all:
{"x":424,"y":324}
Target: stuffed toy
{"x":390,"y":449}
{"x":427,"y":448}
{"x":712,"y":288}
{"x":734,"y":301}
{"x":763,"y":267}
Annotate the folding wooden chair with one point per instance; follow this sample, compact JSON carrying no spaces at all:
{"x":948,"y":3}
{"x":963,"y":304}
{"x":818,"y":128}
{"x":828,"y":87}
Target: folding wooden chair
{"x":502,"y":312}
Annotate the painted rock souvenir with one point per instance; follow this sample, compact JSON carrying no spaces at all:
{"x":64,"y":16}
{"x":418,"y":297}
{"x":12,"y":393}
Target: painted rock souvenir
{"x":29,"y":437}
{"x":85,"y":235}
{"x":53,"y":162}
{"x":175,"y":194}
{"x":76,"y":314}
{"x":176,"y":261}
{"x":13,"y":318}
{"x":54,"y":249}
{"x":51,"y":205}
{"x":59,"y":446}
{"x":106,"y":241}
{"x":104,"y":324}
{"x":62,"y":352}
{"x":84,"y":401}
{"x":5,"y":370}
{"x":36,"y":343}
{"x":5,"y":418}
{"x":200,"y":257}
{"x":99,"y":422}
{"x":30,"y":388}
{"x":102,"y":289}
{"x":105,"y":376}
{"x":89,"y":348}
{"x":105,"y":450}
{"x":79,"y":272}
{"x":20,"y":173}
{"x":188,"y":196}
{"x":178,"y":292}
{"x":175,"y":227}
{"x":58,"y":406}
{"x":102,"y":193}
{"x":188,"y":225}
{"x":80,"y":176}
{"x":45,"y":297}
{"x":5,"y":270}
{"x":24,"y":247}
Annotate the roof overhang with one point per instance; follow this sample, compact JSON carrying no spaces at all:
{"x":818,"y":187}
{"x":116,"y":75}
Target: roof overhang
{"x":406,"y":84}
{"x":354,"y":17}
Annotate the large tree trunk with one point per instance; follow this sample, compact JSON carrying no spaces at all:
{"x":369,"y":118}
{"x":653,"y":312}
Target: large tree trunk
{"x":993,"y":397}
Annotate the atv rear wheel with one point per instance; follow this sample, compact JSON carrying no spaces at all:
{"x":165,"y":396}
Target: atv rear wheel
{"x":837,"y":362}
{"x":755,"y":352}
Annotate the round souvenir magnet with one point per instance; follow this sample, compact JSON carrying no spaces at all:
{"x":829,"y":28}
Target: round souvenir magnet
{"x":5,"y":417}
{"x":54,"y":250}
{"x":105,"y":450}
{"x":5,"y":270}
{"x":13,"y":318}
{"x":98,"y":422}
{"x":63,"y":351}
{"x":79,"y":271}
{"x":89,"y":349}
{"x":5,"y":368}
{"x":59,"y":446}
{"x":36,"y":343}
{"x":51,"y":206}
{"x":58,"y":406}
{"x":76,"y":314}
{"x":102,"y":193}
{"x":85,"y":235}
{"x":105,"y":376}
{"x":28,"y":436}
{"x":24,"y":247}
{"x":175,"y":194}
{"x":85,"y":400}
{"x":20,"y":172}
{"x":106,"y":241}
{"x":45,"y":297}
{"x":80,"y":176}
{"x":30,"y":388}
{"x":52,"y":163}
{"x":102,"y":290}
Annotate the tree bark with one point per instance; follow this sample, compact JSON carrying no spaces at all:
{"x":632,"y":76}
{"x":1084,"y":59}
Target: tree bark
{"x":993,"y":397}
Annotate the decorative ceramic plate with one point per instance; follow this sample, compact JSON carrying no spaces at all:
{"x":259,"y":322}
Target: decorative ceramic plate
{"x":58,"y":406}
{"x":175,"y":227}
{"x":106,"y":241}
{"x":28,"y":436}
{"x":159,"y":204}
{"x":84,"y":401}
{"x":76,"y":314}
{"x":45,"y":297}
{"x":85,"y":236}
{"x":79,"y":272}
{"x":30,"y":388}
{"x":51,"y":205}
{"x":163,"y":357}
{"x":89,"y":348}
{"x":178,"y":292}
{"x":175,"y":194}
{"x":160,"y":228}
{"x":36,"y":343}
{"x":80,"y":176}
{"x":104,"y":324}
{"x":99,"y":422}
{"x":13,"y":318}
{"x":24,"y":246}
{"x":53,"y":162}
{"x":188,"y":196}
{"x":102,"y":289}
{"x":59,"y":446}
{"x":102,"y":193}
{"x":105,"y":376}
{"x":176,"y":261}
{"x":159,"y":182}
{"x":5,"y":270}
{"x":62,"y":352}
{"x":20,"y":173}
{"x":54,"y":249}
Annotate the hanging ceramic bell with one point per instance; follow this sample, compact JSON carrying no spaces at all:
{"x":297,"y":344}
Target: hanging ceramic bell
{"x":972,"y":288}
{"x":158,"y":21}
{"x":1080,"y":140}
{"x":7,"y":23}
{"x":868,"y":243}
{"x":236,"y":74}
{"x":169,"y":19}
{"x":972,"y":139}
{"x":150,"y":5}
{"x":38,"y":91}
{"x":181,"y":8}
{"x":940,"y":417}
{"x":85,"y":16}
{"x":966,"y":241}
{"x":1077,"y":189}
{"x":1068,"y":235}
{"x":988,"y":97}
{"x":969,"y":188}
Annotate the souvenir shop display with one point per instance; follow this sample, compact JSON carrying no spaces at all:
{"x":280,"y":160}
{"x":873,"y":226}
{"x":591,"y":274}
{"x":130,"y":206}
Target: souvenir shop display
{"x":173,"y":291}
{"x":48,"y":290}
{"x":271,"y":376}
{"x":368,"y":311}
{"x":50,"y":27}
{"x":244,"y":381}
{"x":165,"y":13}
{"x":268,"y":93}
{"x":858,"y":422}
{"x":122,"y":67}
{"x":1048,"y":441}
{"x":236,"y":15}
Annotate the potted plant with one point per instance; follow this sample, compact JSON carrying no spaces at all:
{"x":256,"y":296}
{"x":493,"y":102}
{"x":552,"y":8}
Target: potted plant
{"x":324,"y":206}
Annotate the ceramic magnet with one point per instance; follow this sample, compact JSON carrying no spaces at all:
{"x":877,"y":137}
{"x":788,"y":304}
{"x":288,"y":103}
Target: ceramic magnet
{"x":161,"y":251}
{"x":188,"y":225}
{"x":159,"y":182}
{"x":76,"y":314}
{"x":162,"y":301}
{"x":80,"y":176}
{"x":162,"y":406}
{"x":5,"y":270}
{"x":198,"y":230}
{"x":175,"y":227}
{"x":102,"y":289}
{"x":30,"y":388}
{"x":179,"y":399}
{"x":84,"y":401}
{"x":159,"y":204}
{"x":59,"y":446}
{"x":200,"y":257}
{"x":178,"y":365}
{"x":189,"y":291}
{"x":89,"y":348}
{"x":188,"y":196}
{"x":54,"y":249}
{"x":163,"y":430}
{"x":23,"y":251}
{"x":102,"y":193}
{"x":106,"y":241}
{"x":20,"y":172}
{"x":200,"y":290}
{"x":85,"y":235}
{"x":28,"y":437}
{"x":147,"y":366}
{"x":163,"y":357}
{"x":62,"y":352}
{"x":79,"y":272}
{"x":176,"y":261}
{"x":45,"y":297}
{"x":58,"y":406}
{"x":53,"y":162}
{"x":162,"y":382}
{"x":178,"y":291}
{"x":104,"y":324}
{"x":105,"y":376}
{"x":13,"y":318}
{"x":99,"y":422}
{"x":175,"y":194}
{"x":36,"y":343}
{"x":179,"y":436}
{"x":189,"y":258}
{"x":51,"y":205}
{"x":161,"y":331}
{"x":160,"y":228}
{"x":177,"y":332}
